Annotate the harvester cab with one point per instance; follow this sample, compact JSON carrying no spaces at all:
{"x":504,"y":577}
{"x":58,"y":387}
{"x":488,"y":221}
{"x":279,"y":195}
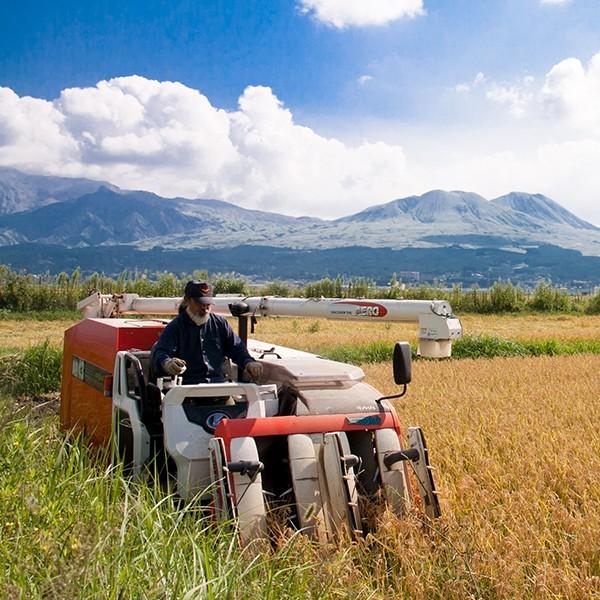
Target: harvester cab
{"x":311,"y":444}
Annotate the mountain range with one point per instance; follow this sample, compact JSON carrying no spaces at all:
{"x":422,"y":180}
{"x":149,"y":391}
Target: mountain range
{"x":66,"y":215}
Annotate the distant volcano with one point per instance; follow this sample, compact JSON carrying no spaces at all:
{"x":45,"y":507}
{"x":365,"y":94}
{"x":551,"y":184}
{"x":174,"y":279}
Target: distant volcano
{"x":80,"y":212}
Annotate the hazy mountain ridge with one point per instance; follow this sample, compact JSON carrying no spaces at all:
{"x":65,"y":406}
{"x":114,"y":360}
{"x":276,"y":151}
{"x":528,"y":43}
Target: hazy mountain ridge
{"x":432,"y":207}
{"x":104,"y":217}
{"x":20,"y":191}
{"x":53,"y":213}
{"x":517,"y":209}
{"x":542,"y":208}
{"x":110,"y":216}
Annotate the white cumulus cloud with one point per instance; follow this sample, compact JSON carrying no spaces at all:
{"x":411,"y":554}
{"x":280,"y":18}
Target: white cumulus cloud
{"x":283,"y":163}
{"x":568,"y":95}
{"x":555,"y":2}
{"x":32,"y":133}
{"x":168,"y":138}
{"x":553,"y":146}
{"x":571,"y":92}
{"x":361,"y":13}
{"x":517,"y":99}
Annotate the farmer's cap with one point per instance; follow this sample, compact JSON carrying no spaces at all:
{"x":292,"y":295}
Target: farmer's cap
{"x":200,"y":291}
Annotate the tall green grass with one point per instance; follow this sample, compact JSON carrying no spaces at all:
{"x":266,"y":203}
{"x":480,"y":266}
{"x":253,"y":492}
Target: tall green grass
{"x":73,"y":527}
{"x":487,"y":346}
{"x":32,"y":372}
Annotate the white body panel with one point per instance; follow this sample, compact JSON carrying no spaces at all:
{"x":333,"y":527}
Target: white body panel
{"x":393,"y":479}
{"x":121,"y":401}
{"x":342,"y":496}
{"x":251,"y":509}
{"x":188,"y":443}
{"x":304,"y":469}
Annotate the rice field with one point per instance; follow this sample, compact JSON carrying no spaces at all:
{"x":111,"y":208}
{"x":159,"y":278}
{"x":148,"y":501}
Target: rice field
{"x":320,"y":335}
{"x":516,"y":443}
{"x":315,"y":334}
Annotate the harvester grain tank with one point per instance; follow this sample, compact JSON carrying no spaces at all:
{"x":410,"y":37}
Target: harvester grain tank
{"x":311,"y":437}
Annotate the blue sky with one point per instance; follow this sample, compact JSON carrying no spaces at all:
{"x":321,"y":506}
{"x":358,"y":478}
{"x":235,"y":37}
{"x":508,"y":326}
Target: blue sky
{"x":316,"y":106}
{"x":221,"y":47}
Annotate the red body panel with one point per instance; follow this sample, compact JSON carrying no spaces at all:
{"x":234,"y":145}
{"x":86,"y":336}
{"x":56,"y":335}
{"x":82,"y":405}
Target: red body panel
{"x":276,"y":426}
{"x":84,"y":408}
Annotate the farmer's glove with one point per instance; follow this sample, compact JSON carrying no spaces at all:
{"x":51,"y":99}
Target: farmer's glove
{"x":174,"y":366}
{"x":254,"y":370}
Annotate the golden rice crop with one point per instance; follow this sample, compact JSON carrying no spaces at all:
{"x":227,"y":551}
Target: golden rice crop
{"x":517,"y":446}
{"x":317,"y":334}
{"x":535,"y":326}
{"x":314,"y":334}
{"x":21,"y":334}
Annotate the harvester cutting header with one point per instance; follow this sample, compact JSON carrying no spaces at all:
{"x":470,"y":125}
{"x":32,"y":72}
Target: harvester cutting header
{"x":310,"y":439}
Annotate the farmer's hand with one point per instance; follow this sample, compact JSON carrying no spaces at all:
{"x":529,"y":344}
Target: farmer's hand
{"x":254,"y":370}
{"x":174,"y":366}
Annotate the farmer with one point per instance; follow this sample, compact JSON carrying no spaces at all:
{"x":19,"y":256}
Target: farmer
{"x":196,"y":342}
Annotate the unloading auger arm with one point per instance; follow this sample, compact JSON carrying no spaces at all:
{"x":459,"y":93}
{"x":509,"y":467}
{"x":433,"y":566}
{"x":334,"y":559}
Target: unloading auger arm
{"x":438,"y":327}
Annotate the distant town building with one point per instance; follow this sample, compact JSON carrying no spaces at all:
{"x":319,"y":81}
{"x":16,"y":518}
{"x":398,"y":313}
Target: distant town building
{"x":409,"y":276}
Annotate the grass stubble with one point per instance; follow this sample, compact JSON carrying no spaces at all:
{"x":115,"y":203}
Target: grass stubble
{"x":516,"y":444}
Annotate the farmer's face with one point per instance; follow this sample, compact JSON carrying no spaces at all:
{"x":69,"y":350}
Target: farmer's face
{"x":198,"y":309}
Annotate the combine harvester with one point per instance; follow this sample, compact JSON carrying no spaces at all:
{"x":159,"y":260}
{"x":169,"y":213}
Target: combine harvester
{"x":311,"y":438}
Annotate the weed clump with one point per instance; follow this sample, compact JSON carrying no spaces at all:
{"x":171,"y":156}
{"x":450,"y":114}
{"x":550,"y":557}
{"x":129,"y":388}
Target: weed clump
{"x":593,"y":306}
{"x":314,"y":327}
{"x":549,"y":299}
{"x":375,"y":352}
{"x":33,"y":372}
{"x":487,"y":346}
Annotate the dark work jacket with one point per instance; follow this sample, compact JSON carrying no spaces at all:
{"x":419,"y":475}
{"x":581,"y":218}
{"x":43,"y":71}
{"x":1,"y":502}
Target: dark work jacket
{"x":203,"y":347}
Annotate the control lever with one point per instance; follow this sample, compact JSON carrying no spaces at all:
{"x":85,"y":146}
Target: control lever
{"x":391,"y":458}
{"x":251,"y":468}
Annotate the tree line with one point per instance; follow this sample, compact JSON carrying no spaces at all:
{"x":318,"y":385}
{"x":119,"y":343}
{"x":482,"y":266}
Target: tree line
{"x":23,"y":292}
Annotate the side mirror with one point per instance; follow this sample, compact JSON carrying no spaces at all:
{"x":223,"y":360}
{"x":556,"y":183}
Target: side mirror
{"x":239,"y":309}
{"x":402,"y":362}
